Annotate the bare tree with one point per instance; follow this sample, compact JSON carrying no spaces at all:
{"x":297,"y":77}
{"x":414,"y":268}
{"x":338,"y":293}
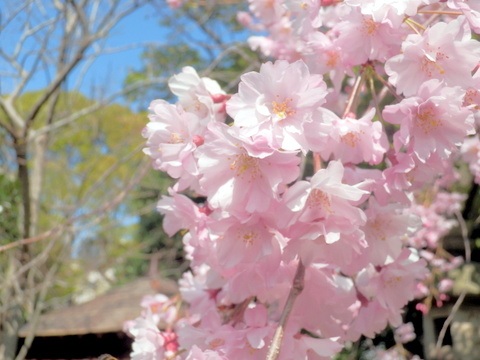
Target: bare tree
{"x":53,"y":42}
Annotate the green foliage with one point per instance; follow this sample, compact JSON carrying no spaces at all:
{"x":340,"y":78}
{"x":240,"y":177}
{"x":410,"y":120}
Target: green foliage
{"x":153,"y":240}
{"x":9,"y":209}
{"x":88,"y":164}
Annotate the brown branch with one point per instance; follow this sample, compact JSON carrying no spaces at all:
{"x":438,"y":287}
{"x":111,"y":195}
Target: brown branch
{"x":140,"y":173}
{"x":36,"y":315}
{"x":461,"y":297}
{"x":297,"y":288}
{"x":94,"y":107}
{"x":55,"y":84}
{"x":353,"y":95}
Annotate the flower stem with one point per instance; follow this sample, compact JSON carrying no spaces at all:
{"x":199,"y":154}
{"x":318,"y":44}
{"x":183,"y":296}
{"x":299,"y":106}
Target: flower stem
{"x":413,"y":25}
{"x":440,"y":12}
{"x":353,"y":95}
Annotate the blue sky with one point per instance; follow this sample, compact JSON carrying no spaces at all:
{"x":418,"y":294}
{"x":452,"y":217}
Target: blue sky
{"x":108,"y":70}
{"x":140,"y":27}
{"x":107,"y":73}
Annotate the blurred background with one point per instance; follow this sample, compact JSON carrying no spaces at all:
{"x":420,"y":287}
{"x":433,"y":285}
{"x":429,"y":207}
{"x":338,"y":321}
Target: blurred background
{"x":77,"y":195}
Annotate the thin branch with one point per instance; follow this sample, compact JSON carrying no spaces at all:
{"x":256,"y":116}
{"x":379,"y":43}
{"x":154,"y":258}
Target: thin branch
{"x":19,"y":10}
{"x":389,"y":87}
{"x":96,"y":106}
{"x":36,"y":315}
{"x":79,"y":11}
{"x":353,"y":95}
{"x":297,"y":288}
{"x":461,"y":297}
{"x":60,"y":77}
{"x":100,"y":50}
{"x":101,"y":211}
{"x":374,"y":97}
{"x":14,"y":117}
{"x":440,"y":12}
{"x":100,"y":181}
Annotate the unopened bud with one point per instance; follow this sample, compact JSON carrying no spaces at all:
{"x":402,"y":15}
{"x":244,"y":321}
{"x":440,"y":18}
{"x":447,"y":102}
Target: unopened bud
{"x":218,"y":98}
{"x":198,"y":140}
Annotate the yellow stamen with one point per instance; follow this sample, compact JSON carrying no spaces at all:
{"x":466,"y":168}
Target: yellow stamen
{"x":282,"y":109}
{"x":318,"y":198}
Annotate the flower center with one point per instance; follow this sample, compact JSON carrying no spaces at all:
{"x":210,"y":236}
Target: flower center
{"x":245,"y":167}
{"x":472,"y":97}
{"x":282,"y":108}
{"x":369,"y":26}
{"x":333,"y":58}
{"x":215,"y":343}
{"x":377,"y":226}
{"x":427,"y":119}
{"x":249,"y":237}
{"x":351,"y":139}
{"x":318,"y":198}
{"x":393,"y":281}
{"x":429,"y":67}
{"x":176,"y":138}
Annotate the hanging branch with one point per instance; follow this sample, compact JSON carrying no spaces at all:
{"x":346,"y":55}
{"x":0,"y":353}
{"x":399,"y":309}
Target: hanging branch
{"x":297,"y":288}
{"x":458,"y":303}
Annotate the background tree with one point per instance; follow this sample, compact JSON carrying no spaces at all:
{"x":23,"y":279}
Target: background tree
{"x":67,"y":162}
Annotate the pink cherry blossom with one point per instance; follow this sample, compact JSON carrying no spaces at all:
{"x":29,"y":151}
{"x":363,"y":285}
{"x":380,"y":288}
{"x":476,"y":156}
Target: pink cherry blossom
{"x":243,"y":242}
{"x":444,"y":51}
{"x":174,"y":3}
{"x":267,"y":10}
{"x":362,"y":38}
{"x":324,"y":56}
{"x":198,"y":94}
{"x":356,"y":140}
{"x":160,"y":308}
{"x":470,"y":9}
{"x":336,"y":293}
{"x":149,"y":342}
{"x":236,"y":181}
{"x":405,"y":333}
{"x":470,"y":151}
{"x":196,"y":354}
{"x":364,"y":219}
{"x":170,"y":139}
{"x":279,"y":98}
{"x":181,"y":213}
{"x":393,"y":285}
{"x":326,"y":198}
{"x":386,"y":231}
{"x":432,"y":122}
{"x":391,"y":11}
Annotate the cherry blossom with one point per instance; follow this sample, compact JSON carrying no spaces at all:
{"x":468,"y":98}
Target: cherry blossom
{"x":264,"y":102}
{"x":170,"y":139}
{"x":325,"y":197}
{"x":236,"y":181}
{"x":432,"y":122}
{"x":356,"y":140}
{"x":444,"y":51}
{"x":333,"y":185}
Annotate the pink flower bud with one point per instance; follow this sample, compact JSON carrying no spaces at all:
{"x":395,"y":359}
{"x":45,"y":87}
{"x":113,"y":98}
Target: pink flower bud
{"x":218,"y":98}
{"x":198,"y":140}
{"x":422,"y":307}
{"x":170,"y":339}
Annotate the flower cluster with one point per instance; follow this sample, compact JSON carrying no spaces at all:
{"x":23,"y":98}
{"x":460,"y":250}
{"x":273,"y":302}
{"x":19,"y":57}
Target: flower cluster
{"x":401,"y":106}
